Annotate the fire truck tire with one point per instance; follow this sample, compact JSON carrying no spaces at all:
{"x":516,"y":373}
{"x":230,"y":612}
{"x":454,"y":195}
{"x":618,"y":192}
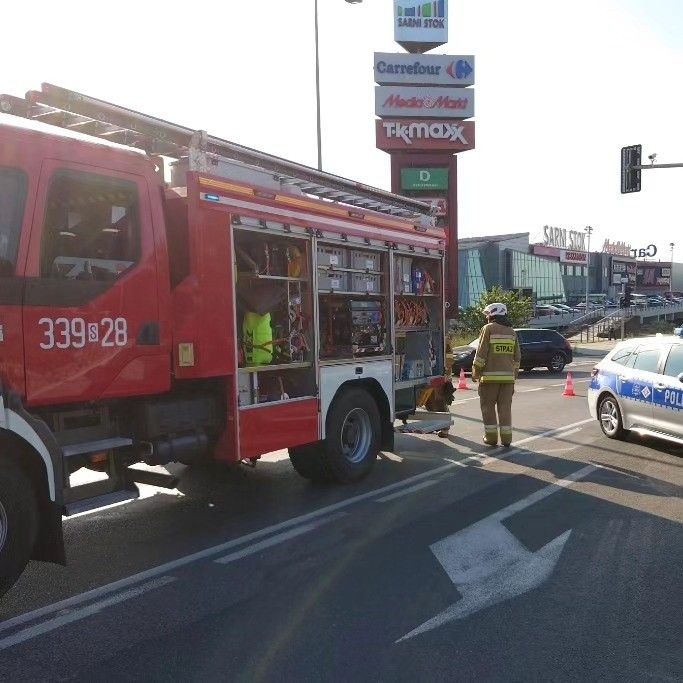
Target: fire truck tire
{"x":307,"y":461}
{"x":18,"y":523}
{"x":353,"y":436}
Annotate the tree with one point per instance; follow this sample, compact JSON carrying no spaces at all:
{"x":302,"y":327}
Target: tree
{"x":520,"y":310}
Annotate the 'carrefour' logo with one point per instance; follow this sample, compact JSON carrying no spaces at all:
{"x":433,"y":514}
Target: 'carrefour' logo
{"x":459,"y":69}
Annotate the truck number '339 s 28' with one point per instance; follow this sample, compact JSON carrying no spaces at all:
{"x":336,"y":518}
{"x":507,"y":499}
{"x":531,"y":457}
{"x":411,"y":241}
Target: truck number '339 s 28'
{"x":76,"y":333}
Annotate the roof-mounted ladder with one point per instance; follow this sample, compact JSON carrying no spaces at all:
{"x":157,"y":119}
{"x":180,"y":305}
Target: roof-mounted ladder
{"x":80,"y":113}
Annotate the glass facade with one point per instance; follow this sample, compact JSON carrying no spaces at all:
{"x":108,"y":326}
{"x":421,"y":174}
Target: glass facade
{"x":471,"y":280}
{"x":542,"y":275}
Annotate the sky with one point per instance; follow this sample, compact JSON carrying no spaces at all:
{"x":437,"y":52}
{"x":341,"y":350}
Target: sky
{"x":560,"y":88}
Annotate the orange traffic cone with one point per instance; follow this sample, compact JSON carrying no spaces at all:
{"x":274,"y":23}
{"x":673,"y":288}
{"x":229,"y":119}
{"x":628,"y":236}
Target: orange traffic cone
{"x":569,"y":386}
{"x":462,"y":385}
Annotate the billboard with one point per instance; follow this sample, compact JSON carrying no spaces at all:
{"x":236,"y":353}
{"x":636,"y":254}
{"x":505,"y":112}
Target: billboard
{"x":653,"y":276}
{"x":416,"y":135}
{"x":420,"y":26}
{"x":426,"y":102}
{"x":575,"y":257}
{"x":403,"y":69}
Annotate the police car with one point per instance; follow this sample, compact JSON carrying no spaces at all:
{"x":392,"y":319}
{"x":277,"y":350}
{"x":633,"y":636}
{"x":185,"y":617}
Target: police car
{"x":638,"y":387}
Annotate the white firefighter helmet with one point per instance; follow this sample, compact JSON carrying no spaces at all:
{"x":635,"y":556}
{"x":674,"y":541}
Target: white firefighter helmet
{"x":496,"y":309}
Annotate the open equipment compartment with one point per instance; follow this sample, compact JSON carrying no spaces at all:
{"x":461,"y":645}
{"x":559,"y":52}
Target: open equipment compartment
{"x":353,"y":287}
{"x":418,"y":325}
{"x":274,"y":314}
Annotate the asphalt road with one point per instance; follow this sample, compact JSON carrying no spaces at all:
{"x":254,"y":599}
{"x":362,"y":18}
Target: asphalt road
{"x":557,"y":560}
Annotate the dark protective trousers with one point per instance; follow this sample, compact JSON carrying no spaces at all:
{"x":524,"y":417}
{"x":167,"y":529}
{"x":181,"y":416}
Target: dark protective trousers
{"x":496,"y":397}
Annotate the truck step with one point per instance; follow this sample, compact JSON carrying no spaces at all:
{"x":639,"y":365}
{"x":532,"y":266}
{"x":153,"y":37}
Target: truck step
{"x":100,"y":501}
{"x":95,"y":446}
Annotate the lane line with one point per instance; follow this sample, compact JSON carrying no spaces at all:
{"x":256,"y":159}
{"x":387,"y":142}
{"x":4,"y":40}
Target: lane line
{"x":528,"y":391}
{"x":553,"y":432}
{"x":77,"y":615}
{"x":279,"y":538}
{"x":408,"y":491}
{"x":167,"y":567}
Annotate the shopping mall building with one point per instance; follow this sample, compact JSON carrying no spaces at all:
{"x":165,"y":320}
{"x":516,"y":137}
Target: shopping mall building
{"x":555,"y":270}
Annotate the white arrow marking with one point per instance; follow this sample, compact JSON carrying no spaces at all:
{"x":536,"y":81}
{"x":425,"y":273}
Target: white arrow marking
{"x":488,"y":564}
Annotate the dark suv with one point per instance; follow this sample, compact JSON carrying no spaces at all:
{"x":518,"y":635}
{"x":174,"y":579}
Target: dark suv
{"x":540,"y":348}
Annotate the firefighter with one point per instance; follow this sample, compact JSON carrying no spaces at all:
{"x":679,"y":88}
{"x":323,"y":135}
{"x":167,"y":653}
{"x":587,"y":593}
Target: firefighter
{"x":495,"y":366}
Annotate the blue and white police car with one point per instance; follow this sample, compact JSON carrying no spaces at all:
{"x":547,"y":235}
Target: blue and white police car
{"x":638,"y":387}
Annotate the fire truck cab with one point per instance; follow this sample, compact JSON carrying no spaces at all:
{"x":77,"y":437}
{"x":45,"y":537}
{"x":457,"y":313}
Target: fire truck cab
{"x":248,"y":305}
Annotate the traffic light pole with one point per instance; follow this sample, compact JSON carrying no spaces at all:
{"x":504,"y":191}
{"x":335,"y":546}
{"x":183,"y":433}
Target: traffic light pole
{"x":648,"y":166}
{"x":631,"y":167}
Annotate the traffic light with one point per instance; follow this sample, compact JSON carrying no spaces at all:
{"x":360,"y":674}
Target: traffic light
{"x":630,"y":179}
{"x":627,"y":296}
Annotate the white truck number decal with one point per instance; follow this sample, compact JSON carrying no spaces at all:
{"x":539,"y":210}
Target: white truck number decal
{"x":75,"y":333}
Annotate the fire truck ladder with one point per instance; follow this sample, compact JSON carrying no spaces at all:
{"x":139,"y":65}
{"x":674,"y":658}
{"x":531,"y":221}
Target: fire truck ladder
{"x":81,"y":113}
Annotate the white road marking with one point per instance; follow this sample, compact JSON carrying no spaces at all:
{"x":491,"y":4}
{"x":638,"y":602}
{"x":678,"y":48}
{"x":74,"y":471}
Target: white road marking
{"x":571,"y":431}
{"x":465,"y":400}
{"x":527,"y":391}
{"x":409,"y":490}
{"x":69,"y":617}
{"x":553,"y":432}
{"x":167,"y":567}
{"x":488,"y":564}
{"x":279,"y":538}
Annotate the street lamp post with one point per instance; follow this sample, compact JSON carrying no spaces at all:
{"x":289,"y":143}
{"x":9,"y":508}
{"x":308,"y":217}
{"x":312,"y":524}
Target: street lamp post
{"x":588,"y":230}
{"x":671,"y":270}
{"x":317,"y":84}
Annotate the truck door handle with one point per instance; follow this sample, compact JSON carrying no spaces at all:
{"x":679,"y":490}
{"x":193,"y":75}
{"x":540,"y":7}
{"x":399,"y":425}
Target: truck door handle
{"x":659,"y":385}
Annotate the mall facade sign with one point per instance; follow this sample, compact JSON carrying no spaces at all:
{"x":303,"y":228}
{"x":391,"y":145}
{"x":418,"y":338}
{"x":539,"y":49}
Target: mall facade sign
{"x":616,"y":248}
{"x":562,"y":238}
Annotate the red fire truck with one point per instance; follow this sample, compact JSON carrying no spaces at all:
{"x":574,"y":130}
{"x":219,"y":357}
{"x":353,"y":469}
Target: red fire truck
{"x":168,"y":296}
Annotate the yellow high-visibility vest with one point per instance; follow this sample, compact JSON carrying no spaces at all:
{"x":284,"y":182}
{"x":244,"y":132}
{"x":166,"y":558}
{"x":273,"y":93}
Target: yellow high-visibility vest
{"x":257,"y":338}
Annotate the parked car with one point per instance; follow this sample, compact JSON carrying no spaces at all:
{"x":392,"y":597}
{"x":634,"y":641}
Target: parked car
{"x":564,"y":308}
{"x":547,"y":309}
{"x":638,"y":387}
{"x":539,"y":348}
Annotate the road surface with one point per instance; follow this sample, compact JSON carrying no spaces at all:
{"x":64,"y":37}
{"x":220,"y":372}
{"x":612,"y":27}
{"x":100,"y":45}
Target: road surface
{"x":556,"y":560}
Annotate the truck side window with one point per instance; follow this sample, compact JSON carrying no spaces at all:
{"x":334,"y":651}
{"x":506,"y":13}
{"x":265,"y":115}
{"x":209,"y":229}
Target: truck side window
{"x":91,"y":229}
{"x":13,"y":184}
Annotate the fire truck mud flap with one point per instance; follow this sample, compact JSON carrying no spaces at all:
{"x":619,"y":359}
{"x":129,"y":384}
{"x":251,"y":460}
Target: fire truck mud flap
{"x":349,"y":451}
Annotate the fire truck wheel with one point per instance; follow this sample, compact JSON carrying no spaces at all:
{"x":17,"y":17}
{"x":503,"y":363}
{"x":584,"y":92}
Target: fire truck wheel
{"x":18,"y":523}
{"x":353,"y":436}
{"x":307,"y":461}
